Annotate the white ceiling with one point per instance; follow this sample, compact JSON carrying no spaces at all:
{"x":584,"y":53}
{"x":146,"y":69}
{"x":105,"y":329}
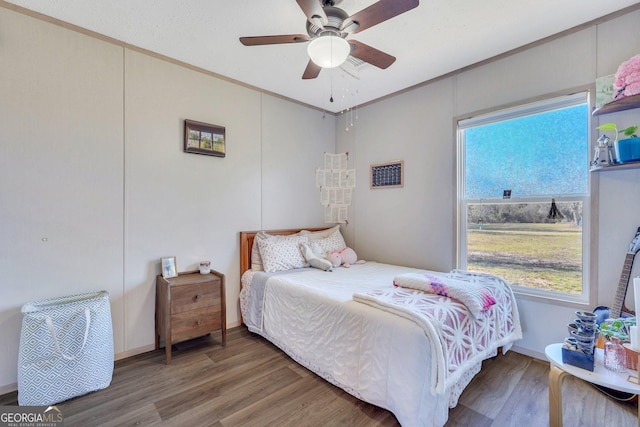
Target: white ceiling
{"x":437,"y":37}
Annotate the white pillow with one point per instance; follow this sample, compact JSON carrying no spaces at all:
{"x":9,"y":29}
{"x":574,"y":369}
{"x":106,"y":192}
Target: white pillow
{"x":322,"y":234}
{"x":281,"y":253}
{"x":256,"y":259}
{"x":334,"y":242}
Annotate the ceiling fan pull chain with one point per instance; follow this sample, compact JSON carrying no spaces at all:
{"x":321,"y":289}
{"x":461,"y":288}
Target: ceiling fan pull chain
{"x":331,"y":91}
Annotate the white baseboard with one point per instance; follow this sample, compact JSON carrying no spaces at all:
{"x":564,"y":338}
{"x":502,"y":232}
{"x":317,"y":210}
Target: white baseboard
{"x":233,"y":324}
{"x":8,"y":388}
{"x":529,"y":352}
{"x":134,"y":352}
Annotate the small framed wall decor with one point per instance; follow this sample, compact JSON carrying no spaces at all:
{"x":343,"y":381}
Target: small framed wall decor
{"x":169,"y":267}
{"x":203,"y":138}
{"x":387,"y":175}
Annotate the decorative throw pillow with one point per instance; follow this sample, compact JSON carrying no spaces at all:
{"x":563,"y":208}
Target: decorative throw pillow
{"x":281,"y":253}
{"x":334,"y":242}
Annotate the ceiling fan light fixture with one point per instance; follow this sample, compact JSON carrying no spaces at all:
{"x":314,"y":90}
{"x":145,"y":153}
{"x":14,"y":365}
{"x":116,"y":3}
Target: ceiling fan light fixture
{"x":328,"y":51}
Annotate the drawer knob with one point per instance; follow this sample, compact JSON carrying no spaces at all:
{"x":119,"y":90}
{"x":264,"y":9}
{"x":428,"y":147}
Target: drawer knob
{"x":198,"y":323}
{"x":197,"y":297}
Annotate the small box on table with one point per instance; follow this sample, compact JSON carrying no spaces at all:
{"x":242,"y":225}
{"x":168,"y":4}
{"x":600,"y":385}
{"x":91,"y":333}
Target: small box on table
{"x":577,"y":358}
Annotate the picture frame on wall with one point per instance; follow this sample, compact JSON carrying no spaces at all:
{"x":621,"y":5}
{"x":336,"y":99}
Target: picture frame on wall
{"x":204,"y":138}
{"x":387,"y":175}
{"x":169,"y":267}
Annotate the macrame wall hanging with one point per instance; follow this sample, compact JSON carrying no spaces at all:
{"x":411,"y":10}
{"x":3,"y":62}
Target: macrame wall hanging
{"x":336,"y":183}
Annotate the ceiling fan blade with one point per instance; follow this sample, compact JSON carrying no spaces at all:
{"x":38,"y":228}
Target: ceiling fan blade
{"x":371,"y":55}
{"x":377,"y":13}
{"x":314,"y":12}
{"x":262,"y":40}
{"x":312,"y":71}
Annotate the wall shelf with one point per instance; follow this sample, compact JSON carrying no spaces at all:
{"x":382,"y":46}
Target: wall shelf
{"x":617,"y":167}
{"x":627,"y":103}
{"x":620,"y":105}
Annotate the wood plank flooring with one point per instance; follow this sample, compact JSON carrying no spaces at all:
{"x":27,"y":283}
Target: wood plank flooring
{"x":250,"y":382}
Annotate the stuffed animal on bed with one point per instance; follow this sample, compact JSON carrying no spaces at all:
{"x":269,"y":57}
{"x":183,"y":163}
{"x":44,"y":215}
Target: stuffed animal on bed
{"x":313,"y":259}
{"x":343,"y":257}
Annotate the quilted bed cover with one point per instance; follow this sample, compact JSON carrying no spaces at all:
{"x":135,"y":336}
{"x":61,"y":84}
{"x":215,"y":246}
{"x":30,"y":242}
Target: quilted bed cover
{"x":376,"y":352}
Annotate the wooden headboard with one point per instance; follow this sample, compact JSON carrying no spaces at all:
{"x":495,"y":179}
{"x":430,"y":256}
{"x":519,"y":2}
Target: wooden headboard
{"x":246,"y":243}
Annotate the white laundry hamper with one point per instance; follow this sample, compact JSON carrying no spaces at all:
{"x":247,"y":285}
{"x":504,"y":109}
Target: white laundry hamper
{"x":66,"y":348}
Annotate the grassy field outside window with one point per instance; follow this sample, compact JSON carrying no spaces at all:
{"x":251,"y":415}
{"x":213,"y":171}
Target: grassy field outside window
{"x":544,"y":256}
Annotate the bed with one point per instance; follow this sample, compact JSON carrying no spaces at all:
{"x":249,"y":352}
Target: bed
{"x":403,"y":349}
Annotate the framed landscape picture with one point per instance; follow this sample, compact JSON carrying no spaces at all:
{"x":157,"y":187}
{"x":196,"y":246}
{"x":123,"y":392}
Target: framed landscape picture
{"x":203,"y":138}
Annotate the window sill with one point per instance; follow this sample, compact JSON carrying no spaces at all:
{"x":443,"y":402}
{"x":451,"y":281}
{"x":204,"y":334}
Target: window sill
{"x":559,"y":299}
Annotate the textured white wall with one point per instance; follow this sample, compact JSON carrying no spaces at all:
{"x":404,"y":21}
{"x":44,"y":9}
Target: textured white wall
{"x":61,"y":171}
{"x":294,"y":142}
{"x":91,"y":141}
{"x":180,"y":204}
{"x":410,"y":225}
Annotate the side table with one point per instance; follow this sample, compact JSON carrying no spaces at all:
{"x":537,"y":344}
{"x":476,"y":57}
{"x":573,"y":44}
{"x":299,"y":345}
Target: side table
{"x":600,"y":376}
{"x":188,"y":306}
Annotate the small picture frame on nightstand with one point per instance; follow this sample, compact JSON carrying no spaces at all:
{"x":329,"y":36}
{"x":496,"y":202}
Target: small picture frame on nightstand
{"x":169,"y":267}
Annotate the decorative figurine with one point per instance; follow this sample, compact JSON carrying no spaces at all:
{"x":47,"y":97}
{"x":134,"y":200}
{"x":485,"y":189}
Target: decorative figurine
{"x":603,"y":155}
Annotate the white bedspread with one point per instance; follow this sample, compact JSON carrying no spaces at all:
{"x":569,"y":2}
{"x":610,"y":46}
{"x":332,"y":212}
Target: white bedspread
{"x":377,"y":356}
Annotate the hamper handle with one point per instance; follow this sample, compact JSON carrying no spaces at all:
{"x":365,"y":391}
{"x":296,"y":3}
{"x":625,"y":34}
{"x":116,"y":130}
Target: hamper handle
{"x":87,"y":315}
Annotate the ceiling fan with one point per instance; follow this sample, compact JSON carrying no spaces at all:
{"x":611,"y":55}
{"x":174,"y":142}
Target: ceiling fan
{"x":327,"y":29}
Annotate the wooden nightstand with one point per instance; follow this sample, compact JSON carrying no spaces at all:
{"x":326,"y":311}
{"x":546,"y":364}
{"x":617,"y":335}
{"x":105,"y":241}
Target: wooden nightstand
{"x":189,"y":306}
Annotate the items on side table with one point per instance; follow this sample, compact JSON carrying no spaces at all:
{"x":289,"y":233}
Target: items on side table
{"x":205,"y":267}
{"x":578,"y":349}
{"x":610,"y":335}
{"x":615,"y":356}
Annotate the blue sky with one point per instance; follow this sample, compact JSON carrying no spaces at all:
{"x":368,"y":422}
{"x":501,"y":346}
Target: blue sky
{"x":541,"y":154}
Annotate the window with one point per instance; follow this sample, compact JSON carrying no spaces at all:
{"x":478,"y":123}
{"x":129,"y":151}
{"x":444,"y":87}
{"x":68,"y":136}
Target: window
{"x":523,"y":196}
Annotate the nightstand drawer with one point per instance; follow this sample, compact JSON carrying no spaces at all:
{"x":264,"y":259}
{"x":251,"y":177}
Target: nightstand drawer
{"x":191,"y":297}
{"x":195,"y":323}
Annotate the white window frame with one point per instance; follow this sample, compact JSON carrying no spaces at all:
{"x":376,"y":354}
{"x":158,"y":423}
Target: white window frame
{"x":588,"y":293}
